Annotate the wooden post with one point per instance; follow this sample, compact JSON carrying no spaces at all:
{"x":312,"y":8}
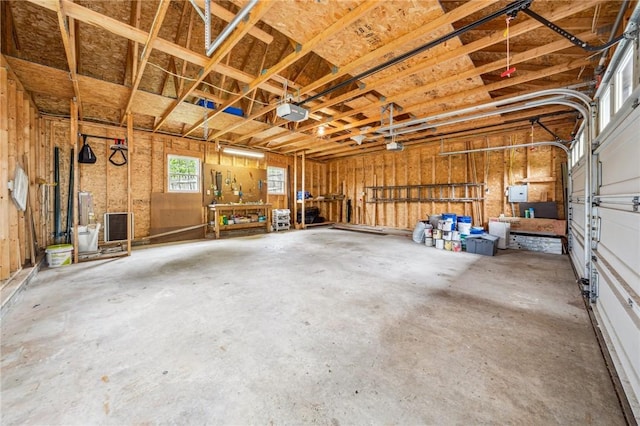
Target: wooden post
{"x":73,"y":138}
{"x":14,"y":244}
{"x":129,"y":199}
{"x":304,"y":225}
{"x":295,"y":189}
{"x":4,"y":177}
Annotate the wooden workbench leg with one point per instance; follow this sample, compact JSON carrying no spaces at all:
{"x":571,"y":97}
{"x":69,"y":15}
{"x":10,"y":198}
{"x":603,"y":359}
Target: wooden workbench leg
{"x":216,"y":224}
{"x":268,"y":211}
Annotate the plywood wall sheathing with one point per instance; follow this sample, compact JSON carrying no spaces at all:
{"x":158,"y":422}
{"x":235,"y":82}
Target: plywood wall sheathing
{"x":423,"y":165}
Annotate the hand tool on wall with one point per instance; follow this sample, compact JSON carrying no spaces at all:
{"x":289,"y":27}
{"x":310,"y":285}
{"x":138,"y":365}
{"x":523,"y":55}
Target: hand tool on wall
{"x":219,"y":183}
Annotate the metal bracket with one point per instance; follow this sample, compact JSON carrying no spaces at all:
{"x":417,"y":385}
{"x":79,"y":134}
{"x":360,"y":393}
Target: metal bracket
{"x":596,"y":225}
{"x":584,"y":282}
{"x":594,"y":291}
{"x":636,"y":203}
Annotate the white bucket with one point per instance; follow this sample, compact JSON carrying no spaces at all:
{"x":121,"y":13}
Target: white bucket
{"x":440,"y":244}
{"x":464,"y":228}
{"x":428,"y":231}
{"x":59,"y":255}
{"x":447,"y":235}
{"x":428,"y":241}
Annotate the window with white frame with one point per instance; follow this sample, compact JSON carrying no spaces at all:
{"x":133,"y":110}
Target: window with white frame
{"x":604,"y":112}
{"x":624,"y":79}
{"x":183,"y":173}
{"x":581,"y":146}
{"x":276,"y":180}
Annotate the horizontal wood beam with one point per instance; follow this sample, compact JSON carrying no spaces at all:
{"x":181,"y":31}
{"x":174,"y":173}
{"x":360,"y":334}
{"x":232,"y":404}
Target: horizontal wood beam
{"x":132,"y":33}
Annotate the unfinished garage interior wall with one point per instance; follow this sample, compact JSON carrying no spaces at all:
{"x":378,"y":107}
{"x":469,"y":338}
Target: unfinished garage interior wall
{"x":384,"y":187}
{"x":155,"y":209}
{"x":21,"y":226}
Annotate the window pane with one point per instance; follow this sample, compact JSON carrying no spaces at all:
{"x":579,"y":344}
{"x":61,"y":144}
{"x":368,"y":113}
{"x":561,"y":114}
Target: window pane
{"x":183,"y":174}
{"x":605,"y":109}
{"x":581,"y":146}
{"x":624,"y":79}
{"x":276,"y":180}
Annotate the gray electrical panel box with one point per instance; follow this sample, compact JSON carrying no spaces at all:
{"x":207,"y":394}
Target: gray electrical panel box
{"x":518,"y":194}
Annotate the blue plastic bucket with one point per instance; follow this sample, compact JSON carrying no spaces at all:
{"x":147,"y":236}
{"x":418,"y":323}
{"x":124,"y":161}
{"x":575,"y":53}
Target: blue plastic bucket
{"x":464,"y":219}
{"x":477,"y":230}
{"x":452,"y":218}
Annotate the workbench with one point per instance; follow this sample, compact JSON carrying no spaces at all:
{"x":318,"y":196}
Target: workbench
{"x":216,"y":211}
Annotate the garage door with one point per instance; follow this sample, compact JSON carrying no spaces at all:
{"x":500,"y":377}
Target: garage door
{"x":577,"y":215}
{"x":616,"y":245}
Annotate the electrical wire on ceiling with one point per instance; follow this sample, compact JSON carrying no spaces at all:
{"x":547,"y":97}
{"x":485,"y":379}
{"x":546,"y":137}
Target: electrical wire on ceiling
{"x":205,"y":83}
{"x":511,"y":10}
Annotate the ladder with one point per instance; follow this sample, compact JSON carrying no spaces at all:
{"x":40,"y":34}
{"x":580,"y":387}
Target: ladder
{"x":444,"y":192}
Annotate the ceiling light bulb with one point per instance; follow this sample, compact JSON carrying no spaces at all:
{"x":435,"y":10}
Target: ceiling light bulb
{"x":321,"y":130}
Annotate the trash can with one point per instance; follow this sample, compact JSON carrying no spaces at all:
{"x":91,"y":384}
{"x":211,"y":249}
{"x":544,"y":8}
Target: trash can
{"x":88,"y":238}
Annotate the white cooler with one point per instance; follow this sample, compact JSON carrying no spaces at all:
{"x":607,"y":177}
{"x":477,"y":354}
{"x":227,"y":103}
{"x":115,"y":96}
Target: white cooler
{"x":501,"y":230}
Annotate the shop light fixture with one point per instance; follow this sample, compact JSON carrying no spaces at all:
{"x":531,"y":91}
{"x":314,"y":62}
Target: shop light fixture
{"x":242,"y":152}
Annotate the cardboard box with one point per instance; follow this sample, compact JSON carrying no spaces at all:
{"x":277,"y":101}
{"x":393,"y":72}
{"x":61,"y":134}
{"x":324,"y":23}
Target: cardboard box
{"x":485,"y":244}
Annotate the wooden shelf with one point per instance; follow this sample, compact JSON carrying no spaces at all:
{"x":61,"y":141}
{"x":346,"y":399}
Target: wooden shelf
{"x":316,"y":200}
{"x":216,"y":209}
{"x":242,"y":226}
{"x":540,"y":179}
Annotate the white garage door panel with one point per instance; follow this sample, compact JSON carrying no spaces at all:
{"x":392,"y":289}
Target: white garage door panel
{"x":577,"y":219}
{"x":617,"y":248}
{"x":576,"y":224}
{"x":619,"y":158}
{"x":577,"y":256}
{"x":577,"y":180}
{"x":621,"y":325}
{"x":617,"y":253}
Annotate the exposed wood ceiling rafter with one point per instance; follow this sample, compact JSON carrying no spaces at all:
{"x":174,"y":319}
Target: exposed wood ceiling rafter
{"x":177,"y":77}
{"x":129,"y":32}
{"x":434,"y":103}
{"x":68,"y":41}
{"x":303,"y":47}
{"x":477,"y":45}
{"x":146,"y":52}
{"x":243,"y":28}
{"x":298,"y":53}
{"x":445,"y":19}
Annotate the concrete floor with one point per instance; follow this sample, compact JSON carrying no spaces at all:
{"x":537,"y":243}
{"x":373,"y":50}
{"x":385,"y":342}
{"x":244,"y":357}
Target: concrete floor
{"x":319,"y":326}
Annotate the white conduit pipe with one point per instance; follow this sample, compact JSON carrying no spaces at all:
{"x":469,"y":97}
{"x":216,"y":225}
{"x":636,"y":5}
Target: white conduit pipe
{"x":230,"y":26}
{"x":528,"y":105}
{"x":502,"y":148}
{"x":530,"y":96}
{"x":505,"y":147}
